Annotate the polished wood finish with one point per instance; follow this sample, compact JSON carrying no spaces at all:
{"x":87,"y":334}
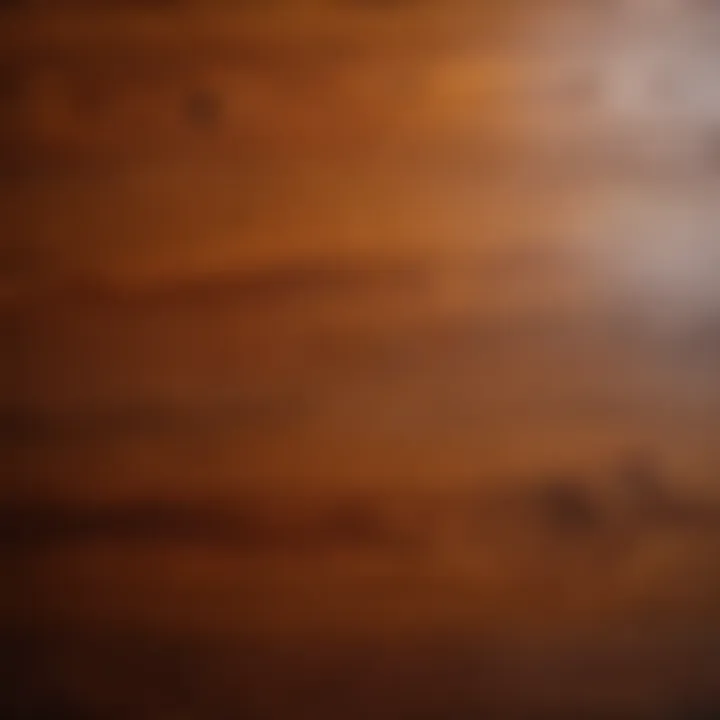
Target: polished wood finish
{"x":360,"y":359}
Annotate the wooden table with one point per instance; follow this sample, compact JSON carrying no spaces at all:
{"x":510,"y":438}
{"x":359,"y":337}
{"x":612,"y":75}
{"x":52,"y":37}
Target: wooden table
{"x":360,"y":359}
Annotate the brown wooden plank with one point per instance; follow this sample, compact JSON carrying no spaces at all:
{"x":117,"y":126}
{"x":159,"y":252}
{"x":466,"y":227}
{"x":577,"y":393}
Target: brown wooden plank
{"x":359,"y":359}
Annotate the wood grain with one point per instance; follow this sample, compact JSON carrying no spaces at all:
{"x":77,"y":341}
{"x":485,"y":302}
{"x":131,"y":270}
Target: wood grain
{"x":360,"y":359}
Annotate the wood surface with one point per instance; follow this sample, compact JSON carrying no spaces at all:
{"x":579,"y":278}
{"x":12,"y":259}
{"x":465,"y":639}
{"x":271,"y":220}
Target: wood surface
{"x":360,"y":359}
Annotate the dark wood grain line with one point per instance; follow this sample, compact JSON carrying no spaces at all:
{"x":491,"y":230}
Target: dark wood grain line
{"x":634,"y":498}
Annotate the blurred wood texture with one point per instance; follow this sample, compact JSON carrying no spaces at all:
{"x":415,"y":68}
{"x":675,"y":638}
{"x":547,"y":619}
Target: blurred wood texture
{"x":360,"y":359}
